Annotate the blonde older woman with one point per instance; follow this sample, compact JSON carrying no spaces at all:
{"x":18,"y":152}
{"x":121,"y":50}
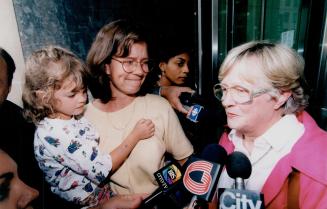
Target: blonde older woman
{"x":260,"y":89}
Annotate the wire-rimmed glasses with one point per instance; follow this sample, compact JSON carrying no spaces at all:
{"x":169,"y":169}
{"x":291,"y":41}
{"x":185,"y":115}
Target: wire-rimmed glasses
{"x":130,"y":65}
{"x":240,"y":95}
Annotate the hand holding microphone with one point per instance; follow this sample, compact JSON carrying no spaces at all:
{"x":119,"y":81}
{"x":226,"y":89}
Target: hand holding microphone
{"x":190,"y":102}
{"x":168,"y":178}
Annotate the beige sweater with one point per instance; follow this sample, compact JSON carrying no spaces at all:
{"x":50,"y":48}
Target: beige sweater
{"x":136,"y":174}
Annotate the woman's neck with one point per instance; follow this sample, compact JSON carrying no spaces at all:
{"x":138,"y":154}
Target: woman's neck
{"x":164,"y":81}
{"x":250,"y":137}
{"x":114,"y":104}
{"x":248,"y":143}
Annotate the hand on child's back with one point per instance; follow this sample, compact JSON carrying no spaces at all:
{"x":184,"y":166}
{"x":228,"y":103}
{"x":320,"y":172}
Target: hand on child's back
{"x":144,"y":129}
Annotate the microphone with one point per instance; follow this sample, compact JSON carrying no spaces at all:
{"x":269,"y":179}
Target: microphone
{"x":190,"y":102}
{"x":168,"y":175}
{"x":197,"y":178}
{"x":239,"y":167}
{"x":202,"y":174}
{"x":168,"y":178}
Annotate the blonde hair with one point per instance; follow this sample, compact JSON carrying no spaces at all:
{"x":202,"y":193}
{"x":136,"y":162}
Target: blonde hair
{"x":46,"y":70}
{"x":282,"y":67}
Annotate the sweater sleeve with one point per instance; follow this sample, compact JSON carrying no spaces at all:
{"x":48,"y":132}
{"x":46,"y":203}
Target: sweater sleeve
{"x":176,"y":142}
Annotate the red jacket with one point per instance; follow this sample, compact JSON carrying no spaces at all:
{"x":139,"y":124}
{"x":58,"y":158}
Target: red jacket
{"x":309,"y":157}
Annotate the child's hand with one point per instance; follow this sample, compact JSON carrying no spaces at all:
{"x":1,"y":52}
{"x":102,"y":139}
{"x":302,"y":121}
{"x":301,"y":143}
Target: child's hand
{"x":144,"y":129}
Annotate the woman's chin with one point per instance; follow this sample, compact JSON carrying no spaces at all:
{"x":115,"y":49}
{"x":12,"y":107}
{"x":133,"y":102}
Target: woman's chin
{"x":132,"y":92}
{"x":233,"y":124}
{"x":180,"y":82}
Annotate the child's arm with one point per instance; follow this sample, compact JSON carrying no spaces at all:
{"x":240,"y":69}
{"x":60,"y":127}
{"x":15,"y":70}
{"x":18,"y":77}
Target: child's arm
{"x":143,"y":129}
{"x":121,"y":201}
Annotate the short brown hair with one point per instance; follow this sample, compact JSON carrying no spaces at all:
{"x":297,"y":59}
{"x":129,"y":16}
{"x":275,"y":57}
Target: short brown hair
{"x":113,"y":39}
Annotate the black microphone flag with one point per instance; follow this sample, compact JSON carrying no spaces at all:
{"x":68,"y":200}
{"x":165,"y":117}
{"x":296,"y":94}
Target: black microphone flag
{"x":168,"y":175}
{"x":239,"y":167}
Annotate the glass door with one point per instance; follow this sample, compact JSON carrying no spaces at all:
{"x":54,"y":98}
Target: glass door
{"x":273,"y":20}
{"x":300,"y":24}
{"x":224,"y":24}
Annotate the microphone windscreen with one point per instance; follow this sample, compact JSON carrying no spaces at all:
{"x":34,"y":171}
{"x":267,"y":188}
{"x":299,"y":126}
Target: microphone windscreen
{"x":214,"y":153}
{"x":238,"y":165}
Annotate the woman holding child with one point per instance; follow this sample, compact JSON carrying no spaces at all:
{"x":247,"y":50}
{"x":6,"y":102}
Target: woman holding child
{"x":118,"y":63}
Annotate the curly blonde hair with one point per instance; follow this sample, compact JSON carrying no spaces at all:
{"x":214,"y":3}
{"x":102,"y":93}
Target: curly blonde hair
{"x":46,"y":70}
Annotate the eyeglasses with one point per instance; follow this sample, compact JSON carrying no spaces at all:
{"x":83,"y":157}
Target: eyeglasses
{"x":130,"y":65}
{"x":239,"y":94}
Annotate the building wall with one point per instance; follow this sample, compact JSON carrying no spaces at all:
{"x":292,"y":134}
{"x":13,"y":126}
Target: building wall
{"x":68,"y":23}
{"x":10,"y":41}
{"x":32,"y":24}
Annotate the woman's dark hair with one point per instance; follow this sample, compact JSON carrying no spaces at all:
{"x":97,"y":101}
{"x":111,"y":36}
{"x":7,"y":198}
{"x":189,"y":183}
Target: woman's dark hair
{"x":113,"y":39}
{"x":11,"y":67}
{"x":168,"y":46}
{"x":172,"y":45}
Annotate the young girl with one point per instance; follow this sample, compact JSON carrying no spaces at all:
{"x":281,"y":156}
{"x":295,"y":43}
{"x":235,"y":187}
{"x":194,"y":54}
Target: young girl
{"x":65,"y":144}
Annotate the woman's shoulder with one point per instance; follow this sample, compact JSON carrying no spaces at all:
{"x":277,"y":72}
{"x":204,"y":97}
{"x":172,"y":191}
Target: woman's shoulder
{"x":310,"y":150}
{"x":91,"y":111}
{"x":156,"y":99}
{"x":89,"y":106}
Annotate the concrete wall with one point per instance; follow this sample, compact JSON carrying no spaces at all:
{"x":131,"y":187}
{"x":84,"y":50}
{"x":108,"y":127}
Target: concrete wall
{"x":28,"y":25}
{"x":10,"y":41}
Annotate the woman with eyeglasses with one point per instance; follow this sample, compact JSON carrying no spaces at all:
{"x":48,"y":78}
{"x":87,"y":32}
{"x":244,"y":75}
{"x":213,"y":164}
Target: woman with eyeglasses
{"x":261,"y":90}
{"x":118,"y":65}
